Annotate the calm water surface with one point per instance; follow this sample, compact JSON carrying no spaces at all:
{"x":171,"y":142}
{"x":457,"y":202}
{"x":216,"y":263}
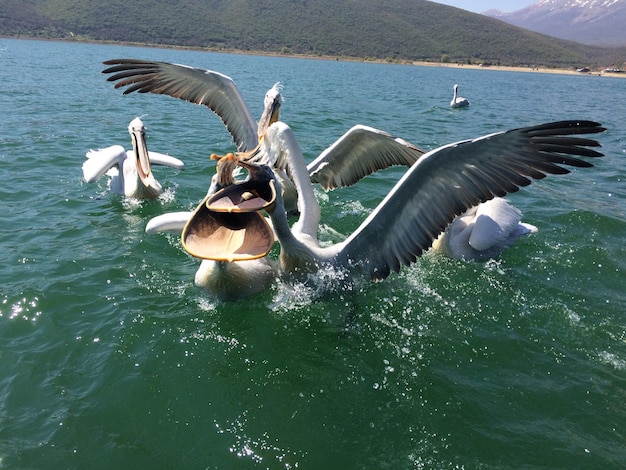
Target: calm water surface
{"x":111,"y":358}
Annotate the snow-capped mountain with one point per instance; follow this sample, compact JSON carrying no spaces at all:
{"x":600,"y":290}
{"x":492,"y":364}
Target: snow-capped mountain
{"x":595,"y":22}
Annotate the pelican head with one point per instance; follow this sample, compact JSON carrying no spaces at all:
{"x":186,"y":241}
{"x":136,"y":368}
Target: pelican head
{"x":271,"y":109}
{"x":147,"y":185}
{"x":256,"y":193}
{"x":224,"y":172}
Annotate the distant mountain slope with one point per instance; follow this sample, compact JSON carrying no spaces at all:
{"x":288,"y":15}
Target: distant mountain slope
{"x":594,"y":22}
{"x":391,"y":29}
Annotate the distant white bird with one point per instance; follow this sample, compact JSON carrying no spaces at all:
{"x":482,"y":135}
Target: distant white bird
{"x":443,"y":184}
{"x":130,"y":171}
{"x":458,"y":101}
{"x":483,"y":231}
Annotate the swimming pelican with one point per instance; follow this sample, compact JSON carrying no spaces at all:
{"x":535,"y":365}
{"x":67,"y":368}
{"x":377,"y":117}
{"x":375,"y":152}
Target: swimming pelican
{"x":222,"y":279}
{"x":483,"y":232}
{"x":130,"y":171}
{"x":340,"y":165}
{"x":458,"y":102}
{"x":443,"y":184}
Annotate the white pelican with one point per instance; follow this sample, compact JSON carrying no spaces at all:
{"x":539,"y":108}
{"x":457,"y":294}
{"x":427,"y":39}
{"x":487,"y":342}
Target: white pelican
{"x":443,"y":184}
{"x":360,"y":151}
{"x":222,"y":279}
{"x":480,"y":233}
{"x":458,"y":101}
{"x":346,"y":161}
{"x":130,"y":171}
{"x":483,"y":232}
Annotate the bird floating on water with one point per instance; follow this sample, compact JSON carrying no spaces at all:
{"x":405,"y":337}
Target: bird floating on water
{"x":458,"y":101}
{"x":130,"y":171}
{"x":226,"y":280}
{"x":483,"y":232}
{"x":443,"y":184}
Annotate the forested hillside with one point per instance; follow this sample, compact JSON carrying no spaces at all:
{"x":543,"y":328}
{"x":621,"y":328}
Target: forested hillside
{"x":368,"y":29}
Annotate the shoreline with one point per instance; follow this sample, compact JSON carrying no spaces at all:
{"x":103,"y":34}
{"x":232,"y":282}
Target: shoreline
{"x":416,"y":63}
{"x":507,"y":68}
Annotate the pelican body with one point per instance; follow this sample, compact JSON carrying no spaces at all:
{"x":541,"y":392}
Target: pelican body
{"x":442,"y":185}
{"x":222,"y":279}
{"x":483,"y":232}
{"x":130,"y":171}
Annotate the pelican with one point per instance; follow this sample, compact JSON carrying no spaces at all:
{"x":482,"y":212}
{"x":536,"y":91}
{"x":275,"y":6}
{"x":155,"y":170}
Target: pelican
{"x":443,"y":184}
{"x":458,"y":101}
{"x":342,"y":164}
{"x":483,"y":232}
{"x":222,"y":279}
{"x":360,"y":151}
{"x":480,"y":233}
{"x":130,"y":171}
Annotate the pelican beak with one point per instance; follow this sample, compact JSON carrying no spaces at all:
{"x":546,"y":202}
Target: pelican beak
{"x":138,"y":138}
{"x":227,"y":225}
{"x":226,"y":236}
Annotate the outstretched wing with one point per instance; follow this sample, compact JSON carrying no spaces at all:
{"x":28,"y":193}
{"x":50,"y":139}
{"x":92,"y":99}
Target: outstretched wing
{"x":102,"y":160}
{"x":216,"y":91}
{"x":359,"y":152}
{"x":449,"y":180}
{"x":157,"y":158}
{"x":169,"y":222}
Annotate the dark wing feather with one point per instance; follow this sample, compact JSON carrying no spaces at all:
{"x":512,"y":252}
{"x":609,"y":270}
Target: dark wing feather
{"x":449,"y":180}
{"x":205,"y":87}
{"x":359,"y":152}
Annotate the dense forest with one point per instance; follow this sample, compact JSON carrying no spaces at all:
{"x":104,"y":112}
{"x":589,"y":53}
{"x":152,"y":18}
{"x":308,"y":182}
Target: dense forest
{"x":394,"y":30}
